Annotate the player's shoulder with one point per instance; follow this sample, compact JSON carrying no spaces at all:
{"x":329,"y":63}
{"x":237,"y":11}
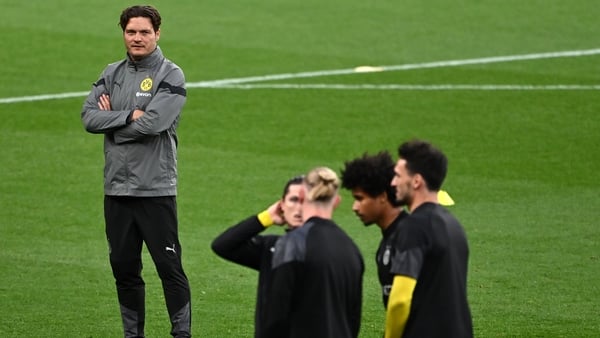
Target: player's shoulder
{"x":268,"y":240}
{"x":297,"y":236}
{"x":433,"y":215}
{"x":290,"y":247}
{"x":113,"y":67}
{"x":428,"y":210}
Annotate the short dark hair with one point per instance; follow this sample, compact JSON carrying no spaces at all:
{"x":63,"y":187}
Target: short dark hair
{"x":372,"y":174}
{"x":140,"y":11}
{"x":423,"y":158}
{"x":294,"y":180}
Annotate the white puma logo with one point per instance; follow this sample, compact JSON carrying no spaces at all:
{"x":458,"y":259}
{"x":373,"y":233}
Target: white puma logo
{"x":171,"y":249}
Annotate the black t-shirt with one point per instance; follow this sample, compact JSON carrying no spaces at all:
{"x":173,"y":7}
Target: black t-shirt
{"x":383,"y":257}
{"x":432,"y":248}
{"x":317,"y":283}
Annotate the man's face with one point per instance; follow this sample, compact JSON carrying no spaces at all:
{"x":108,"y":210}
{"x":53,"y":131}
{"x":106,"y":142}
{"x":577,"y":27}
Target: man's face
{"x":402,"y":181}
{"x":291,"y":205}
{"x":368,"y":208}
{"x":140,"y":38}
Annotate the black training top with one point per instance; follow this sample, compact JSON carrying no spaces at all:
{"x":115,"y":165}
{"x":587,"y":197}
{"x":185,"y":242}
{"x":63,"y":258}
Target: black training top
{"x":241,"y":244}
{"x":383,"y":257}
{"x":433,"y":249}
{"x":317,"y":283}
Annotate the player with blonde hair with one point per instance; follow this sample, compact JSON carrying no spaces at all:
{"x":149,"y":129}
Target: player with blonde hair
{"x":317,"y":270}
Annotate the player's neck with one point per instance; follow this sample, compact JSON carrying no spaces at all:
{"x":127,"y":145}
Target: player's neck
{"x":389,"y":216}
{"x":313,"y":210}
{"x":422,"y":197}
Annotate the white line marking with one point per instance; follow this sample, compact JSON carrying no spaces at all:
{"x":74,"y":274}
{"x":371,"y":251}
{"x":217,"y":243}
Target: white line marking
{"x":227,"y":82}
{"x":42,"y":97}
{"x":409,"y":87}
{"x":451,"y":63}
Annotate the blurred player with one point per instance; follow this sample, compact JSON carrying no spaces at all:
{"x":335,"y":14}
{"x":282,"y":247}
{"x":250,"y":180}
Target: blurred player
{"x":429,"y":292}
{"x":243,"y":245}
{"x":317,"y":270}
{"x":368,"y":178}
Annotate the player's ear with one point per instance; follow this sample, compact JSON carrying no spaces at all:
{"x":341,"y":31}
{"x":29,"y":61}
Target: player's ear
{"x":417,"y":181}
{"x":383,"y":197}
{"x":337,"y":201}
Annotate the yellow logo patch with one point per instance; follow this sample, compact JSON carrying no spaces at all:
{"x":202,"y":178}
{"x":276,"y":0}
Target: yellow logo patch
{"x":146,"y":84}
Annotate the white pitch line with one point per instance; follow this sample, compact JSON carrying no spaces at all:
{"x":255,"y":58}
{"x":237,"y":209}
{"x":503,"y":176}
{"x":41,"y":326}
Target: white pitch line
{"x":438,"y":64}
{"x":42,"y":97}
{"x":226,"y":82}
{"x":409,"y":87}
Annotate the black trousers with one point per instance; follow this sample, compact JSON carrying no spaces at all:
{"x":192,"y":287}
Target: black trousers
{"x":130,"y":222}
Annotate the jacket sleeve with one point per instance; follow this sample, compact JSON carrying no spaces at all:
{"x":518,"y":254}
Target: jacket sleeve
{"x":101,"y":121}
{"x":241,"y":243}
{"x":161,"y":113}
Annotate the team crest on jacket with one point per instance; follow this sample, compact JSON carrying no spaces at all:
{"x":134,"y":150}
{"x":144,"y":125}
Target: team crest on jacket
{"x":146,"y":84}
{"x":386,"y":256}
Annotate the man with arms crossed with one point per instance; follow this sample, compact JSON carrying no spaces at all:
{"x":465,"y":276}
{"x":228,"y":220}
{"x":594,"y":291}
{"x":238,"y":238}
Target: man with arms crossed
{"x":136,"y":104}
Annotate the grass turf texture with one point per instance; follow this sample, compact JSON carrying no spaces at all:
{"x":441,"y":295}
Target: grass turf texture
{"x":522,"y":163}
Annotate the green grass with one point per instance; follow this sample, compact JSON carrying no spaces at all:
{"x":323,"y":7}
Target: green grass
{"x":523,"y":164}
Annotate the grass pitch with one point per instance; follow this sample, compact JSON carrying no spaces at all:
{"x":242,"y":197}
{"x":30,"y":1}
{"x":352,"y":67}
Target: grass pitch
{"x":523,"y":160}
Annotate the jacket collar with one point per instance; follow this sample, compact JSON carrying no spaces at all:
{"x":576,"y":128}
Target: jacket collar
{"x":149,"y":61}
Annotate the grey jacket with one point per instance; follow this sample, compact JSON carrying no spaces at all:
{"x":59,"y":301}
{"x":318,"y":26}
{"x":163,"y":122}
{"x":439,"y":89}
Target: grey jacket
{"x":140,"y":156}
